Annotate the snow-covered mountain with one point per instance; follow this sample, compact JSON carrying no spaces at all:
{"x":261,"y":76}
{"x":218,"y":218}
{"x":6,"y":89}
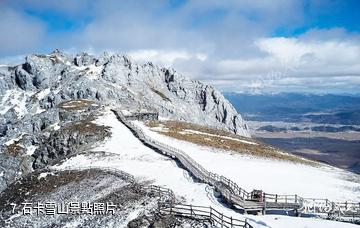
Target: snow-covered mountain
{"x":113,"y":79}
{"x":31,"y":93}
{"x":62,"y":139}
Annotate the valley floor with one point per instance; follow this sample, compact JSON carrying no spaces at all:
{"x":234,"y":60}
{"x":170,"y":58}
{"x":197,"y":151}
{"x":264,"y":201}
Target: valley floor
{"x":340,"y":149}
{"x":125,"y":152}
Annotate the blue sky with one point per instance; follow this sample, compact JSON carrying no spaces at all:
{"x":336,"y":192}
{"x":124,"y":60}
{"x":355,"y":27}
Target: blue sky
{"x":326,"y":15}
{"x":236,"y":45}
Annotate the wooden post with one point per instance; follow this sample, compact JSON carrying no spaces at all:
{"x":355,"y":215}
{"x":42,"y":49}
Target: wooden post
{"x":297,"y":213}
{"x":191,"y":211}
{"x":295,"y":198}
{"x":247,"y":225}
{"x":264,"y":204}
{"x":222,"y":220}
{"x":276,"y":198}
{"x":231,"y":222}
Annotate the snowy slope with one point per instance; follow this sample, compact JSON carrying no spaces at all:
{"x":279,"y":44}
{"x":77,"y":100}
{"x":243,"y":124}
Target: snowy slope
{"x":130,"y":155}
{"x":271,"y":176}
{"x":14,"y":99}
{"x":276,"y":221}
{"x":127,"y":153}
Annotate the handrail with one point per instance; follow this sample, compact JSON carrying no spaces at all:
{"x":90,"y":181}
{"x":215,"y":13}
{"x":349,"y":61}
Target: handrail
{"x":209,"y":213}
{"x":167,"y":201}
{"x":229,"y":190}
{"x":196,"y":169}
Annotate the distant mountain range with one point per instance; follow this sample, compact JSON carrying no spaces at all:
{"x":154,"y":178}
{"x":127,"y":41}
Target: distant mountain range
{"x":285,"y":120}
{"x":296,"y":107}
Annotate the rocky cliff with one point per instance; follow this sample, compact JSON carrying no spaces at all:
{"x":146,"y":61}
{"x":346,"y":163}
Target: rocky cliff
{"x":33,"y":94}
{"x":113,"y":79}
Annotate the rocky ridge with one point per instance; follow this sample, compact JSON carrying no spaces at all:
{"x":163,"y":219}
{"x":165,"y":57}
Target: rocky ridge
{"x":38,"y":126}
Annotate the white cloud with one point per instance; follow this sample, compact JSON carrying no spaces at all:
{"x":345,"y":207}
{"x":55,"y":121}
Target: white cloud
{"x":165,"y":58}
{"x":328,"y":58}
{"x":18,"y":32}
{"x":289,"y":63}
{"x":226,"y":43}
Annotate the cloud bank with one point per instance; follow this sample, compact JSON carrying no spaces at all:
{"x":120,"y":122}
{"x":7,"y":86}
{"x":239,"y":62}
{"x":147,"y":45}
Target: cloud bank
{"x":238,"y":45}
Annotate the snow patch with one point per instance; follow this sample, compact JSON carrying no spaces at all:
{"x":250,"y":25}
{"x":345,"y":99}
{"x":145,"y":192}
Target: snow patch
{"x":5,"y":104}
{"x":160,"y":129}
{"x":92,"y":71}
{"x":43,"y":175}
{"x":39,"y":110}
{"x":14,"y":216}
{"x":298,"y":222}
{"x":43,"y":93}
{"x":20,"y":108}
{"x":189,"y":131}
{"x":15,"y":99}
{"x":132,"y":215}
{"x":40,"y":95}
{"x":11,"y":141}
{"x":126,"y":112}
{"x":163,"y":118}
{"x":31,"y":149}
{"x":72,"y":224}
{"x":56,"y":126}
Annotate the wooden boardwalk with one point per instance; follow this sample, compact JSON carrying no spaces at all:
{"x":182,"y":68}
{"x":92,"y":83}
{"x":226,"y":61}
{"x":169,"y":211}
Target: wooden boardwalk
{"x":237,"y":196}
{"x":167,"y":201}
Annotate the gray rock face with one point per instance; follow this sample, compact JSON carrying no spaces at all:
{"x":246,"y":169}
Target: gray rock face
{"x":117,"y":80}
{"x":74,"y":137}
{"x":84,"y":59}
{"x":30,"y":95}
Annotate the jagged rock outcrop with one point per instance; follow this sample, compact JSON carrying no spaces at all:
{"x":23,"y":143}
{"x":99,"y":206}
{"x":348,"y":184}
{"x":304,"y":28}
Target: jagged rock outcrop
{"x":74,"y":137}
{"x":31,"y":93}
{"x":117,"y":80}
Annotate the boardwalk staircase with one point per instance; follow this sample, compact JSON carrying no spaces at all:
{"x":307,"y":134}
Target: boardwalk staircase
{"x":250,"y":202}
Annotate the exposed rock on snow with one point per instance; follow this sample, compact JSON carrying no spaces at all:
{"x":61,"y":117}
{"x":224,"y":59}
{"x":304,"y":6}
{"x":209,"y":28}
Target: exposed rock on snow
{"x":42,"y":94}
{"x":35,"y":142}
{"x":116,"y":79}
{"x":133,"y":205}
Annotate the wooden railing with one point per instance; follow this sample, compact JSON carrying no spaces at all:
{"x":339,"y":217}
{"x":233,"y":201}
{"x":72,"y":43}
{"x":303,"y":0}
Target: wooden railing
{"x":275,"y":198}
{"x":229,"y":190}
{"x":167,"y":201}
{"x":205,"y":213}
